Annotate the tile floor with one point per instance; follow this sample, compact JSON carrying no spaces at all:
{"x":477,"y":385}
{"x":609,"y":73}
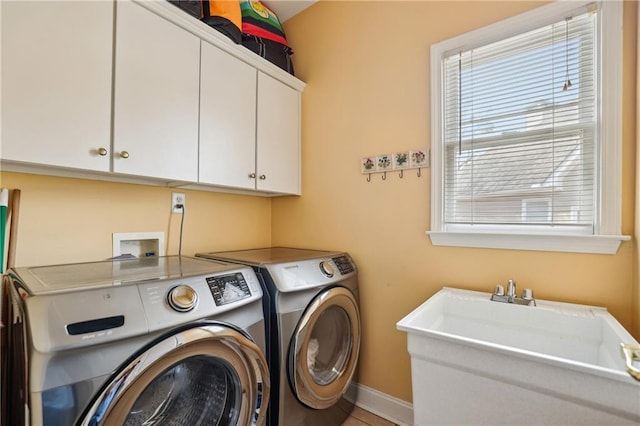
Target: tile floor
{"x":360,"y":417}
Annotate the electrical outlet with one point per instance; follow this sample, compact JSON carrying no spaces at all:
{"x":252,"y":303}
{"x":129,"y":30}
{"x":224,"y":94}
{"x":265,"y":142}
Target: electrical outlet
{"x":177,"y":198}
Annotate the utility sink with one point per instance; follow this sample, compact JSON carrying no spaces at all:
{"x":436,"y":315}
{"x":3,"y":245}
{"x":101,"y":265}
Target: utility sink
{"x":502,"y":363}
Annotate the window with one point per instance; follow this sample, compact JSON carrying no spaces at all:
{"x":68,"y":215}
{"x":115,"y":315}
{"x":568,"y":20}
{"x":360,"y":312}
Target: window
{"x":526,"y":132}
{"x":536,"y":211}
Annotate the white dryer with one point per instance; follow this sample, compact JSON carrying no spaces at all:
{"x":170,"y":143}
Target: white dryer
{"x":313,"y":331}
{"x":169,"y":340}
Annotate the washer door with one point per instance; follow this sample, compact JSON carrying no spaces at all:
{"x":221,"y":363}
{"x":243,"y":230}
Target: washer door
{"x":324,"y":348}
{"x":207,"y":375}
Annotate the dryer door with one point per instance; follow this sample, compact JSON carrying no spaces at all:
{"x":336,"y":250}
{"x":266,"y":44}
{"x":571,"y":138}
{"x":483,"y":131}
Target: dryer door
{"x":324,"y":348}
{"x":211,"y":374}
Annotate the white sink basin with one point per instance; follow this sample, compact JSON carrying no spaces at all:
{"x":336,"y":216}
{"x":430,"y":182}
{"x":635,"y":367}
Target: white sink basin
{"x":555,"y":363}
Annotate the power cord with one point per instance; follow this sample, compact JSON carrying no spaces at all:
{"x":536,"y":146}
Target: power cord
{"x":180,"y":206}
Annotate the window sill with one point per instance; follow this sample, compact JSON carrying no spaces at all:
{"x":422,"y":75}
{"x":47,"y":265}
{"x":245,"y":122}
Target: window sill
{"x":600,"y":244}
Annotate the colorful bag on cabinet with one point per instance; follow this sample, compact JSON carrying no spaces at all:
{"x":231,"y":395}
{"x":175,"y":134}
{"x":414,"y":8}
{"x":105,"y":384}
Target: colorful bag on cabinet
{"x":262,"y":33}
{"x":223,"y":15}
{"x":260,"y":21}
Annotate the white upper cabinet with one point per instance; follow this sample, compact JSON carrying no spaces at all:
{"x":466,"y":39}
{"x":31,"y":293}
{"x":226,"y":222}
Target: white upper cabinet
{"x":278,"y":137}
{"x":156,"y":96}
{"x":139,"y":91}
{"x":249,"y":127}
{"x":227,"y":120}
{"x":56,"y":83}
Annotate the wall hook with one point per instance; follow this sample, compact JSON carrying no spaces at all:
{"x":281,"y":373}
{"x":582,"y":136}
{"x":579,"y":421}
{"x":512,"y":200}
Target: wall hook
{"x":369,"y":177}
{"x":419,"y":172}
{"x":401,"y":174}
{"x":384,"y":176}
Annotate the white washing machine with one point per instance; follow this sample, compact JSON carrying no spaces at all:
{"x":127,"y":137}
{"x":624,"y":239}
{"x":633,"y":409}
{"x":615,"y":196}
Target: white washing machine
{"x":169,"y":340}
{"x":313,"y":331}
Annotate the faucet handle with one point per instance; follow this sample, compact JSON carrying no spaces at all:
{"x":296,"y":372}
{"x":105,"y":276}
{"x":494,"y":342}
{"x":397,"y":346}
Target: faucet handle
{"x":527,"y":294}
{"x":499,"y":290}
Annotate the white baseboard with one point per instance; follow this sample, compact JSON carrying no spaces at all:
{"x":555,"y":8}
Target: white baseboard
{"x":383,"y":405}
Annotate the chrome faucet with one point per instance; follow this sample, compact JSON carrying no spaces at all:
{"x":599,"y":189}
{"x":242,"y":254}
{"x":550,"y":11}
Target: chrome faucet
{"x":511,"y":295}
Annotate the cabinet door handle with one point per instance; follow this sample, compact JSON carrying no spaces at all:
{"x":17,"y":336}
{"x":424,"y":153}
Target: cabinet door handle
{"x":124,"y":154}
{"x":102,"y":151}
{"x":252,"y":175}
{"x":263,"y":177}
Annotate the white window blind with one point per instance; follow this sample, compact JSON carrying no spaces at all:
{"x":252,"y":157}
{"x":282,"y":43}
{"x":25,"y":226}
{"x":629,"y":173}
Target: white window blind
{"x":520,"y":130}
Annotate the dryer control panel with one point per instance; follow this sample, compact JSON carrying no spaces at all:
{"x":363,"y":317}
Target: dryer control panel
{"x":295,"y":276}
{"x":344,"y":264}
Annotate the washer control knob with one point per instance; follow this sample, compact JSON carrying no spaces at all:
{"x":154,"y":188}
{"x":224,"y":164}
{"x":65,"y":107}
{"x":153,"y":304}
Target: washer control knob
{"x":326,"y":269}
{"x":182,"y":298}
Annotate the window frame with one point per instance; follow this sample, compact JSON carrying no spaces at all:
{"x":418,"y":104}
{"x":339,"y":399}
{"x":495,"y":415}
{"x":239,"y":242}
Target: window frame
{"x":606,"y":237}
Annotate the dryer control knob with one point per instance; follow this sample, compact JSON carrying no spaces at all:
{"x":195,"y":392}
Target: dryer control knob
{"x":182,"y":298}
{"x":327,"y":269}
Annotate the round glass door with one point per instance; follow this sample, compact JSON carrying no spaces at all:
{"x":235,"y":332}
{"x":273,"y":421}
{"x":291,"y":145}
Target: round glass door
{"x":324,"y":348}
{"x":206,"y":375}
{"x":196,"y":391}
{"x":330,"y":345}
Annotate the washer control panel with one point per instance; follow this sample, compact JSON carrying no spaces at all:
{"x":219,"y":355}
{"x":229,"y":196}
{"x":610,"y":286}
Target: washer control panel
{"x":182,"y":298}
{"x":167,"y":303}
{"x":92,"y":316}
{"x":228,"y":288}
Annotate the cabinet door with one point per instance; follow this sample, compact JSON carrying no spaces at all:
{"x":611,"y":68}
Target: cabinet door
{"x":278,"y":138}
{"x":227,"y":120}
{"x":56,"y":83}
{"x":156,"y":91}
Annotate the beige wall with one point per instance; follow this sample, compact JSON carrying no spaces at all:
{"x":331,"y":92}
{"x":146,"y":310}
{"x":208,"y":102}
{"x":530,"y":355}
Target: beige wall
{"x":71,"y":220}
{"x":366,"y":65}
